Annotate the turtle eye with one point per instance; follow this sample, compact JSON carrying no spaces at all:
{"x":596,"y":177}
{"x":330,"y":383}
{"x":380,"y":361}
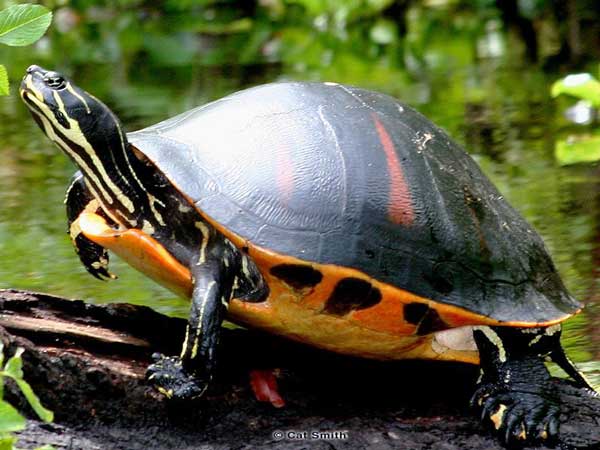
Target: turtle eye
{"x":54,"y":80}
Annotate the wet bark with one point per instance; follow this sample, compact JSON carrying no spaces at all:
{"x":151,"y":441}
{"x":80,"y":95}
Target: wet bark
{"x":87,"y":363}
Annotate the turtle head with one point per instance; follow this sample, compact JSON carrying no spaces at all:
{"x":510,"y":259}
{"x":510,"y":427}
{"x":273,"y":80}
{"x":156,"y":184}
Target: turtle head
{"x":87,"y":131}
{"x":65,"y":112}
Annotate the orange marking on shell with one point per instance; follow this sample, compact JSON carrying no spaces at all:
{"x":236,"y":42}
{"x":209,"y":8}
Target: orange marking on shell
{"x":387,"y":315}
{"x":285,"y":174}
{"x":400,"y":209}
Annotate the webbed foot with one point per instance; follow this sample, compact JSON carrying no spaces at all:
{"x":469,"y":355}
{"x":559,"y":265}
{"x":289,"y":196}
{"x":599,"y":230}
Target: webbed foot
{"x":169,"y":377}
{"x":519,"y":413}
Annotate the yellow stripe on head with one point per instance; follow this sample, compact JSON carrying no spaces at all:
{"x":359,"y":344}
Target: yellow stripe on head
{"x":76,"y":94}
{"x":75,"y":135}
{"x":48,"y":107}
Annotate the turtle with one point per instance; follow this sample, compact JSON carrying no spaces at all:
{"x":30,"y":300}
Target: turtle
{"x":325,"y":213}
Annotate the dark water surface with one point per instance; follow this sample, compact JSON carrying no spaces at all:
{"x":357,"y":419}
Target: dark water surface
{"x":503,"y":116}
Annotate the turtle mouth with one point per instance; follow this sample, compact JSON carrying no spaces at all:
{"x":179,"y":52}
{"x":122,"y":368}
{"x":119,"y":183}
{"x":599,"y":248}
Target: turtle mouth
{"x":30,"y":98}
{"x":25,"y":94}
{"x":30,"y":88}
{"x":24,"y":90}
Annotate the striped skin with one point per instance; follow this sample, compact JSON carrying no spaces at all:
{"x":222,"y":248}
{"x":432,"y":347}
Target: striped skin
{"x":111,"y":174}
{"x":93,"y":256}
{"x":121,"y":184}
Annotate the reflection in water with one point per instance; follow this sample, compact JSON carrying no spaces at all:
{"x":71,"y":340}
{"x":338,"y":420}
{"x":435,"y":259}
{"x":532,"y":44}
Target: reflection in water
{"x":504,"y":117}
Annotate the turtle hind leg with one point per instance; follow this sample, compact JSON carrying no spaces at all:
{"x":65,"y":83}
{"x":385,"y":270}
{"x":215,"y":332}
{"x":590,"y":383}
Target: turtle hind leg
{"x":515,"y":393}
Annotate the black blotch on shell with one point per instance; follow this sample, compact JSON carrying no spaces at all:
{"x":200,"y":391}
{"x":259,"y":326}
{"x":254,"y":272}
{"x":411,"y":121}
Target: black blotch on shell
{"x":352,"y":294}
{"x":414,"y":312}
{"x":425,"y":318}
{"x":299,"y":276}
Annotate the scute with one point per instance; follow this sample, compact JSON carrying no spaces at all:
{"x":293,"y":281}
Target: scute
{"x":338,"y":175}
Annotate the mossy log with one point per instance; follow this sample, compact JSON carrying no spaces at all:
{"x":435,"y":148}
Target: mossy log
{"x":87,"y":364}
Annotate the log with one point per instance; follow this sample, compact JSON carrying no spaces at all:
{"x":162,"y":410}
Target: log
{"x":87,"y":364}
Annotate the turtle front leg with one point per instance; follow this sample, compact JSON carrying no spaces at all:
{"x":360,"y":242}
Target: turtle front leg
{"x":515,"y":392}
{"x":93,"y":256}
{"x":187,"y":376}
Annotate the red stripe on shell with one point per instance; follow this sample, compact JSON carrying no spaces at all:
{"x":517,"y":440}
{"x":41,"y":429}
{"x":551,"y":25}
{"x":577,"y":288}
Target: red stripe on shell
{"x":400,"y":208}
{"x":284,"y":174}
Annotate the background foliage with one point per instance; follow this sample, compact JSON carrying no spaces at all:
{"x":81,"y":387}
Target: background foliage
{"x":482,"y":69}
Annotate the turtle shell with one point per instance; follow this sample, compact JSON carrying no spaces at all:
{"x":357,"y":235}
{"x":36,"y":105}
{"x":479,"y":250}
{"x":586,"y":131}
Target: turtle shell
{"x":332,"y":174}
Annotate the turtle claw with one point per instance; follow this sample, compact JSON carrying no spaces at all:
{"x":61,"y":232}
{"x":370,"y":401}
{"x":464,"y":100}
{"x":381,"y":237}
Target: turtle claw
{"x":490,"y":406}
{"x":102,"y":274}
{"x":518,"y":415}
{"x":170,"y":378}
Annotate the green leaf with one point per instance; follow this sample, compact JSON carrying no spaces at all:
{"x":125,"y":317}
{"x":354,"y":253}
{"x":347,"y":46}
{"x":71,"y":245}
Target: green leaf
{"x":7,"y":442}
{"x":45,"y":414}
{"x":10,"y":419}
{"x":14,"y":366}
{"x":14,"y":369}
{"x":1,"y":375}
{"x":578,"y":150}
{"x":580,"y":85}
{"x":4,"y":90}
{"x":23,"y":24}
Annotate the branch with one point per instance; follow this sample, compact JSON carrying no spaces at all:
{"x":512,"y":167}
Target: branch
{"x":87,"y":364}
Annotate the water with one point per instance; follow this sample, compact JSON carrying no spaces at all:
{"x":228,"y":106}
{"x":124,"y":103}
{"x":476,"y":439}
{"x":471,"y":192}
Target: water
{"x":502,"y":115}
